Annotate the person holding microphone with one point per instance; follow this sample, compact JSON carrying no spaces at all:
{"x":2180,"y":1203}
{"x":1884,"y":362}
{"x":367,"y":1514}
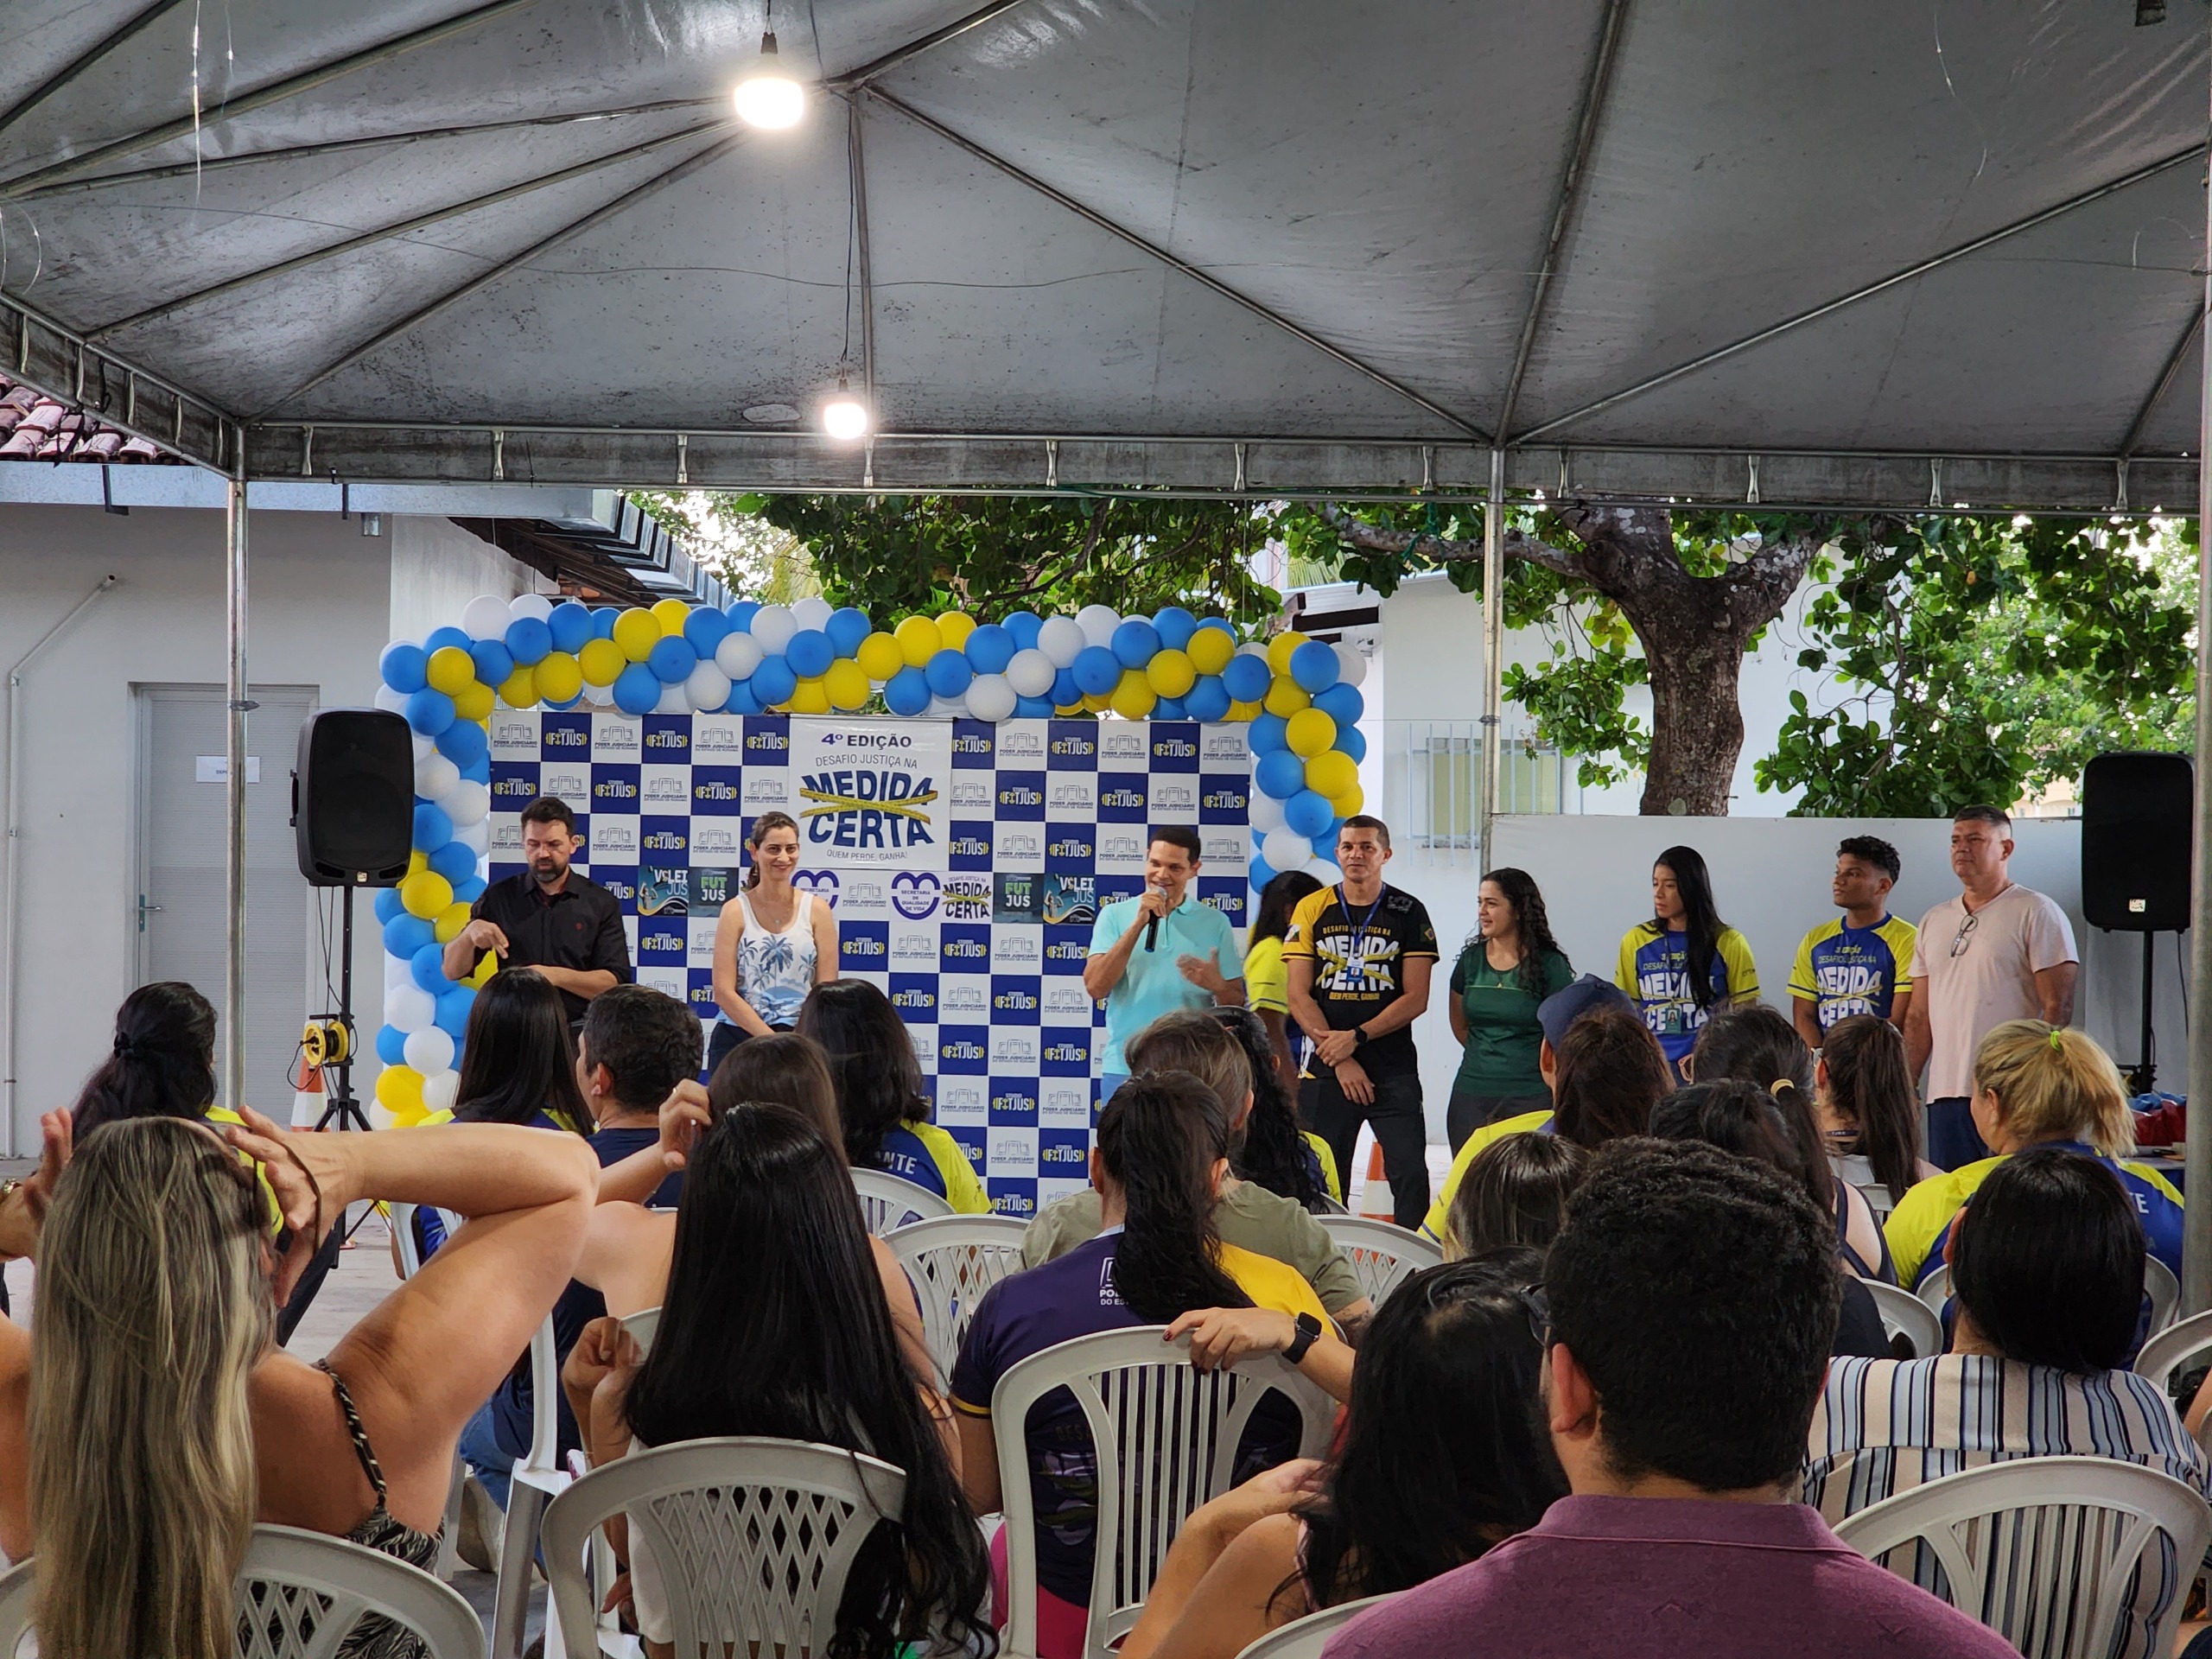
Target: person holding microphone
{"x":1160,"y":951}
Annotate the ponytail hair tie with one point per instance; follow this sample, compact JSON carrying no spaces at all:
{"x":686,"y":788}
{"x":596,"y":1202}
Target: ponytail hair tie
{"x":2058,"y":1039}
{"x":1779,"y":1084}
{"x":126,"y":1048}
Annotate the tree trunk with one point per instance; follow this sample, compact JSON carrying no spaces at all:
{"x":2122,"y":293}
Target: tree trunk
{"x":1697,"y":723}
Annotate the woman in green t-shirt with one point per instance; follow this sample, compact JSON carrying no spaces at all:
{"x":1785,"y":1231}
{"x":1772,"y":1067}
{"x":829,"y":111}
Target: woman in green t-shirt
{"x":1510,"y":964}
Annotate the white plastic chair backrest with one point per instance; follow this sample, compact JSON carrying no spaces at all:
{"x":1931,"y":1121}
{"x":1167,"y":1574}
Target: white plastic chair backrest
{"x":1903,"y":1312}
{"x":642,"y":1327}
{"x":402,"y":1217}
{"x":1860,"y":1173}
{"x":953,"y":1261}
{"x":1165,"y":1436}
{"x":753,"y":1538}
{"x":2046,"y":1551}
{"x":2174,"y":1348}
{"x":300,"y":1595}
{"x":1304,"y":1638}
{"x":1382,"y":1253}
{"x":889,"y":1201}
{"x":545,"y":1454}
{"x":2158,"y":1284}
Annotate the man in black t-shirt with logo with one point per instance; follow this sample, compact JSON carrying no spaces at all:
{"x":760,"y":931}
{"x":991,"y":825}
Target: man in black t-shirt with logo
{"x":1359,"y":955}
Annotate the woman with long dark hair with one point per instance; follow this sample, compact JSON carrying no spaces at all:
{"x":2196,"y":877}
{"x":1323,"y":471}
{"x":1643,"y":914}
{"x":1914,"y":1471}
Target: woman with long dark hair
{"x":774,"y":1323}
{"x":161,"y":1063}
{"x":1443,"y":1456}
{"x":1163,"y":1152}
{"x":1267,"y":981}
{"x":879,"y":1100}
{"x":1516,"y":1192}
{"x":772,"y":942}
{"x":519,"y":1064}
{"x":1273,"y":1151}
{"x":1868,"y":1111}
{"x":1509,"y":965}
{"x":1684,"y":963}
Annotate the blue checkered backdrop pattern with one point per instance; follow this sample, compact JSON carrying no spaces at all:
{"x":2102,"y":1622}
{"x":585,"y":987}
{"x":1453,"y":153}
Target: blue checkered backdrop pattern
{"x":976,"y":925}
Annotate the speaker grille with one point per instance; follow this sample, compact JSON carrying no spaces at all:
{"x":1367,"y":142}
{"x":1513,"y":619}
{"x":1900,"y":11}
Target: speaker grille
{"x":2136,"y":810}
{"x":356,"y":801}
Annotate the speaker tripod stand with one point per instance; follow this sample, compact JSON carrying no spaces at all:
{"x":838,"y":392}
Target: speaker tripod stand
{"x":2143,"y":1076}
{"x":341,"y":1107}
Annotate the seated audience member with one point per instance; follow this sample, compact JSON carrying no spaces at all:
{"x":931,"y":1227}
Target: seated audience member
{"x":519,"y":1063}
{"x":2037,"y":1085}
{"x":879,"y":1099}
{"x":1756,"y":1044}
{"x":1868,"y":1111}
{"x":1266,"y":980}
{"x":1272,"y":1151}
{"x":1745,"y":1119}
{"x":1163,"y":1150}
{"x":1605,"y":1068}
{"x":1245,"y":1214}
{"x":1516,"y":1192}
{"x":1690,"y":1300}
{"x":636,"y":1046}
{"x":773,"y":1323}
{"x":1442,"y":1457}
{"x":2046,"y":1276}
{"x":160,"y":1420}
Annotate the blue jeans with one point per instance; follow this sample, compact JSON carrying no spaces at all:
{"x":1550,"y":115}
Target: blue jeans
{"x":489,"y":1458}
{"x":1952,"y":1141}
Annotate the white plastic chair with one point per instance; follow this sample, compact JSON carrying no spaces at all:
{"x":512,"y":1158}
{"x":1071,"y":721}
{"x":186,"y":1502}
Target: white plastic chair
{"x":643,"y":1327}
{"x":2046,"y":1551}
{"x":891,"y":1201}
{"x":2174,"y":1348}
{"x":1860,"y":1173}
{"x":534,"y":1483}
{"x":753,"y":1538}
{"x":953,"y":1261}
{"x":300,"y":1595}
{"x":1304,"y":1638}
{"x":1905,"y":1313}
{"x":1383,"y":1254}
{"x":1165,"y":1437}
{"x":2158,"y":1284}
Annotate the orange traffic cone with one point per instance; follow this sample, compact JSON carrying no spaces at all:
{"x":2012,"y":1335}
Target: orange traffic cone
{"x":307,"y":1095}
{"x":1375,"y":1200}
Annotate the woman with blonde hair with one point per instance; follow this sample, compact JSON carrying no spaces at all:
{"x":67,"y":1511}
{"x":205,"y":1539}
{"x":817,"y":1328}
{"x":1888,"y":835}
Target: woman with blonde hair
{"x":2038,"y":1085}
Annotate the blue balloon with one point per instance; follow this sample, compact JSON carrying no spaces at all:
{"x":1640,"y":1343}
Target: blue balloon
{"x":453,"y":1013}
{"x":705,"y":628}
{"x":774,"y":681}
{"x":1247,"y":679}
{"x":1023,"y":626}
{"x":464,"y":744}
{"x":469,"y":892}
{"x":1315,"y":667}
{"x":671,"y":660}
{"x":1341,"y":702}
{"x":741,"y":700}
{"x":570,"y":625}
{"x":602,"y":621}
{"x":1136,"y":642}
{"x":1175,"y":626}
{"x":1097,"y":670}
{"x":1268,"y":734}
{"x":740,"y":614}
{"x":1170,"y":708}
{"x":404,"y":667}
{"x":1031,"y":708}
{"x":427,"y":967}
{"x":1281,"y":775}
{"x":990,"y":648}
{"x":429,"y":712}
{"x":1351,"y":741}
{"x":1066,"y":692}
{"x":846,"y":627}
{"x":1258,"y":872}
{"x":388,"y":905}
{"x":562,"y":707}
{"x":949,"y":673}
{"x":1208,"y":699}
{"x":433,"y":829}
{"x":529,"y":641}
{"x":391,"y":1045}
{"x":494,"y":662}
{"x":478,"y":769}
{"x":637,"y":689}
{"x":404,"y":935}
{"x":1220,"y":622}
{"x":1308,"y":812}
{"x":455,"y":861}
{"x":809,"y":653}
{"x":441,"y":638}
{"x":907,"y":692}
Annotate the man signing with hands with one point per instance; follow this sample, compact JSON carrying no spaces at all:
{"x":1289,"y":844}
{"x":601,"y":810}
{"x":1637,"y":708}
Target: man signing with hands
{"x":1160,"y":952}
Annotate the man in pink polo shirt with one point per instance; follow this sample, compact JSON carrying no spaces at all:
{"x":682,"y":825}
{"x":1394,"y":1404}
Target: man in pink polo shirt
{"x":1690,"y":1302}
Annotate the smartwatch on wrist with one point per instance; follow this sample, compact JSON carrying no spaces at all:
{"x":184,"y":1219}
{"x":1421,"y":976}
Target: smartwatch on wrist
{"x":1307,"y":1334}
{"x":1359,"y":1038}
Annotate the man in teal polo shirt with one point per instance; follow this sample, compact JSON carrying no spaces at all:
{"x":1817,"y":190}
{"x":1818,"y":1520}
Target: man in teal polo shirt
{"x":1160,"y":952}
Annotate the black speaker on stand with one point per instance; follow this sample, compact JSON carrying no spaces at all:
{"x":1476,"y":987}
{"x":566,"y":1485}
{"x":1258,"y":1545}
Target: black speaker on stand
{"x":353,"y":822}
{"x":2138,"y":808}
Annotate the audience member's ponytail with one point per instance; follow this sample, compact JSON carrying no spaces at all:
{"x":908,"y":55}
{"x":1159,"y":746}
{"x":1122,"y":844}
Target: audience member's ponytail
{"x":1757,"y":1046}
{"x":1741,"y":1117}
{"x":1159,"y":1138}
{"x":872,"y":1061}
{"x":1868,"y":1085}
{"x":1271,"y":1152}
{"x":1609,"y":1072}
{"x":163,"y":1064}
{"x":2055,"y":1083}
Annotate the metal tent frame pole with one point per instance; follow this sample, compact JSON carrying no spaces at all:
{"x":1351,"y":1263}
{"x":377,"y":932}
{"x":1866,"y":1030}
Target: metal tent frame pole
{"x":2197,"y":1218}
{"x":236,"y":705}
{"x":1493,"y":649}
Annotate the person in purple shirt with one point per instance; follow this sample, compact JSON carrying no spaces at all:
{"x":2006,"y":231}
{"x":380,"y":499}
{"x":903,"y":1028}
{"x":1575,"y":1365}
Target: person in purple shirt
{"x":1688,"y":1304}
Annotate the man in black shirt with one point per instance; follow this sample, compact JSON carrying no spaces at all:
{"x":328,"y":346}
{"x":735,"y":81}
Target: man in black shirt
{"x":548,"y":918}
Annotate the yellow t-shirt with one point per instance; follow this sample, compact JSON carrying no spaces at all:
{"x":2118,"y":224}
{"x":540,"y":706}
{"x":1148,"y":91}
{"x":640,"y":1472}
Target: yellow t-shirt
{"x":1527,"y":1123}
{"x":1333,"y":1182}
{"x":1271,"y":1283}
{"x":1915,"y":1228}
{"x":1267,"y":981}
{"x":963,"y":1190}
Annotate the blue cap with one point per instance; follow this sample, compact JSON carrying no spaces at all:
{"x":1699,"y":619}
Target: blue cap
{"x":1571,"y":1001}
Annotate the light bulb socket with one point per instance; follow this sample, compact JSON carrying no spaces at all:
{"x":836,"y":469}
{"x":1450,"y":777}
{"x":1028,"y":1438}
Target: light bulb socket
{"x":768,"y":44}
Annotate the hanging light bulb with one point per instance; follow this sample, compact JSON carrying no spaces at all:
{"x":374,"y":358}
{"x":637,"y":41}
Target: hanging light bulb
{"x":768,"y":97}
{"x":844,"y":416}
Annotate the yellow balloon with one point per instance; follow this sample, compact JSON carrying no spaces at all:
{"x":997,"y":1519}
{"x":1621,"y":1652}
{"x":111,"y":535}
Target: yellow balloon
{"x":1284,"y":698}
{"x":400,"y":1088}
{"x":1350,"y":802}
{"x":473,"y":702}
{"x":1097,"y":701}
{"x":1331,"y":772}
{"x":452,"y":670}
{"x":1133,"y":698}
{"x":811,"y":698}
{"x":918,"y":640}
{"x":413,"y":1118}
{"x":425,"y":894}
{"x":671,"y":614}
{"x":451,"y":920}
{"x":637,"y":631}
{"x":1070,"y":709}
{"x":880,"y":656}
{"x":953,"y":627}
{"x":520,"y":690}
{"x":1244,"y":712}
{"x":1309,"y":732}
{"x":1280,"y":647}
{"x":485,"y":970}
{"x":560,"y":676}
{"x":417,"y":862}
{"x":1210,"y":649}
{"x":601,"y":662}
{"x":1171,"y":673}
{"x":846,"y":685}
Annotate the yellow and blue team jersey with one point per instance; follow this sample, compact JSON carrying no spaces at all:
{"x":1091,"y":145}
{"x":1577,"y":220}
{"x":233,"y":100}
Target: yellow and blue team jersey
{"x":1843,"y":970}
{"x":1654,"y":971}
{"x":930,"y":1158}
{"x":1322,"y":1163}
{"x":1440,"y":1213}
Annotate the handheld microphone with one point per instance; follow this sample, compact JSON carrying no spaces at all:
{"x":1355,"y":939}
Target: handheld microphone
{"x":1152,"y":926}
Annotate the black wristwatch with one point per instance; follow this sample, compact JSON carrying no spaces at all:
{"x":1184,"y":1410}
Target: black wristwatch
{"x":1359,"y":1038}
{"x":1307,"y":1334}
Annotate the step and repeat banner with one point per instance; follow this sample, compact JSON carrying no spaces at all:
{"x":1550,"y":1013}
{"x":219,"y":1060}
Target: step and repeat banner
{"x":964,"y":860}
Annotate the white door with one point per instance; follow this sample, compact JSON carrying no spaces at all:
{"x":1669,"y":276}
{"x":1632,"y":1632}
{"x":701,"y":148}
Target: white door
{"x":181,"y":798}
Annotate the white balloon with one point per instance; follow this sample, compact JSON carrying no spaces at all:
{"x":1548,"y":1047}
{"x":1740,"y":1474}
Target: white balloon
{"x":1265,"y":812}
{"x":476,"y":836}
{"x":435,"y":775}
{"x":813,"y":612}
{"x":1254,"y":648}
{"x":738,"y":655}
{"x":990,"y":697}
{"x":392,"y":701}
{"x":1097,"y":623}
{"x":410,"y":1008}
{"x":486,"y":618}
{"x":1061,"y":641}
{"x":772,"y":627}
{"x":423,"y":745}
{"x":429,"y":1051}
{"x":465,"y":803}
{"x":381,"y":1117}
{"x":529,"y":607}
{"x":440,"y":1092}
{"x":673,"y":701}
{"x":1351,"y":667}
{"x":1031,"y":673}
{"x":707,"y":689}
{"x":397,"y":971}
{"x":1324,"y":872}
{"x":1284,"y":848}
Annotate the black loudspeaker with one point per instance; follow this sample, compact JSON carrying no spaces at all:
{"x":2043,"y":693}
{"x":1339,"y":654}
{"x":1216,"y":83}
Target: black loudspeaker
{"x":2137,"y":811}
{"x":353,"y":798}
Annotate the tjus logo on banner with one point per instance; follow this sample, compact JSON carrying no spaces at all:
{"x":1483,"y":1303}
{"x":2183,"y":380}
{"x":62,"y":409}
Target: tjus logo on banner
{"x":872,"y":793}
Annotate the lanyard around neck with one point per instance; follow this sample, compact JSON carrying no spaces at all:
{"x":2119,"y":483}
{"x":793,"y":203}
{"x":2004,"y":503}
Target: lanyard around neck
{"x":1358,"y":929}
